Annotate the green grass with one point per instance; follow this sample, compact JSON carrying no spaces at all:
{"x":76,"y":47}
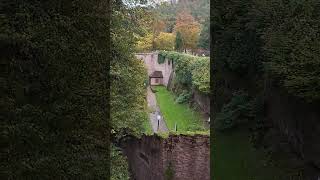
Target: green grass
{"x":234,"y":158}
{"x":186,"y":118}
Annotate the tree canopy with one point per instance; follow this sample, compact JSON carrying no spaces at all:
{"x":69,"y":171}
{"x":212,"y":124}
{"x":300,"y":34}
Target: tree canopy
{"x":189,"y":30}
{"x":165,"y":41}
{"x":54,"y":106}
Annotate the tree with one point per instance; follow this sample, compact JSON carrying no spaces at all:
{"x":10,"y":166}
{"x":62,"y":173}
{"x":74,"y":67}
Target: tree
{"x":292,"y":44}
{"x":128,"y":108}
{"x":178,"y":42}
{"x":157,"y":27}
{"x":165,"y":41}
{"x":127,"y":75}
{"x":189,"y":30}
{"x":144,"y":44}
{"x":54,"y":90}
{"x":204,"y":39}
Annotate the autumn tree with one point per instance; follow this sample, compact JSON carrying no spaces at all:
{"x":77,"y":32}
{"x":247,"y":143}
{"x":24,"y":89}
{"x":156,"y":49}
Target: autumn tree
{"x":145,"y":43}
{"x":165,"y":41}
{"x":189,"y":30}
{"x":157,"y":27}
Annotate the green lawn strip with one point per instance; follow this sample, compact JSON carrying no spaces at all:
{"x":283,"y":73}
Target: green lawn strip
{"x":234,"y":158}
{"x":186,"y":118}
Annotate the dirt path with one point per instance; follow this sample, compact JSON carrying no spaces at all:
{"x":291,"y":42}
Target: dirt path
{"x":152,"y":104}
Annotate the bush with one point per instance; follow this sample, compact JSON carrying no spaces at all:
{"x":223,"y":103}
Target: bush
{"x":169,"y":173}
{"x":238,"y":111}
{"x":184,"y":97}
{"x":120,"y":170}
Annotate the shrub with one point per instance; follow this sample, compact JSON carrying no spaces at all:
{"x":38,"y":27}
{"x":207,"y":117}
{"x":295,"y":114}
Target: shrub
{"x":184,"y":97}
{"x":238,"y":111}
{"x":120,"y":170}
{"x":169,"y":173}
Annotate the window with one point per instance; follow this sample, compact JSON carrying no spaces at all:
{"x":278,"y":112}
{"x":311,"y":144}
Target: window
{"x":157,"y":80}
{"x":169,"y":62}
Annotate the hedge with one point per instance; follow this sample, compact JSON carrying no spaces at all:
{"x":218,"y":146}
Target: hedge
{"x":193,"y":71}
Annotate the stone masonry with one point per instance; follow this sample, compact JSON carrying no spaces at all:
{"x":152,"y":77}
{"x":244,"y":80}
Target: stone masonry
{"x":150,"y":156}
{"x":151,"y":62}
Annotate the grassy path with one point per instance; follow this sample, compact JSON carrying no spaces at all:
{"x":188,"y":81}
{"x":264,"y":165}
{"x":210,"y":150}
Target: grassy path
{"x":186,"y":118}
{"x":152,"y":104}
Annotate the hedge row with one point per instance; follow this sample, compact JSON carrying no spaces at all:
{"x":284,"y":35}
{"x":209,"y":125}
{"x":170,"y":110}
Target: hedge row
{"x":192,"y":71}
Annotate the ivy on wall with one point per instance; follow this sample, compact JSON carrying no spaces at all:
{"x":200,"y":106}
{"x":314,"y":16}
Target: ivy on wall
{"x":191,"y":71}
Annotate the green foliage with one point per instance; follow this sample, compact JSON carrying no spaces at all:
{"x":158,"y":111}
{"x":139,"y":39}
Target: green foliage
{"x":53,"y":110}
{"x":199,"y":10}
{"x":236,"y":45}
{"x":128,"y":108}
{"x":201,"y":75}
{"x":184,"y":97}
{"x":292,"y":45}
{"x":128,"y":104}
{"x":238,"y":111}
{"x":183,"y":65}
{"x":169,"y":172}
{"x":178,"y":42}
{"x":144,"y":44}
{"x":275,"y":39}
{"x":120,"y":167}
{"x":161,"y":59}
{"x":165,"y":41}
{"x":186,"y":118}
{"x":191,"y":71}
{"x":204,"y":39}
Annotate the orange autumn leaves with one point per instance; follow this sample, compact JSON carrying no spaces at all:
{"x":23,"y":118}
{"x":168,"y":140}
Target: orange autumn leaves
{"x":189,"y":30}
{"x":159,"y":39}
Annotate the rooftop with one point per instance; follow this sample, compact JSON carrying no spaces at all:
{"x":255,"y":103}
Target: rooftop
{"x":156,"y":74}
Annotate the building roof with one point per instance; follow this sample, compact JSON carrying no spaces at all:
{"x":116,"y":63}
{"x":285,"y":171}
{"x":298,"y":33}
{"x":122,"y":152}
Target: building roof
{"x":156,"y":74}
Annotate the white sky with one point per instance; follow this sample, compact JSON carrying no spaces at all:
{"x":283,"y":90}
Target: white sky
{"x":131,"y":3}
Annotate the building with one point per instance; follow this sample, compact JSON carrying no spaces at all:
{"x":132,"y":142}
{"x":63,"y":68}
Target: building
{"x":156,"y":78}
{"x":159,"y":74}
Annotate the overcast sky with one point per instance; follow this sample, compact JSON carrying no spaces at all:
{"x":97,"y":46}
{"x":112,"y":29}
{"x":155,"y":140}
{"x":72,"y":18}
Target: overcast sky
{"x":132,"y":3}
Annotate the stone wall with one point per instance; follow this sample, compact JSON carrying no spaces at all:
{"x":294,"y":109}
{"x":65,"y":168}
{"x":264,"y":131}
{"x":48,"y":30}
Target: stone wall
{"x":151,"y":62}
{"x":150,"y":156}
{"x":156,"y":81}
{"x":202,"y":100}
{"x":299,"y":123}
